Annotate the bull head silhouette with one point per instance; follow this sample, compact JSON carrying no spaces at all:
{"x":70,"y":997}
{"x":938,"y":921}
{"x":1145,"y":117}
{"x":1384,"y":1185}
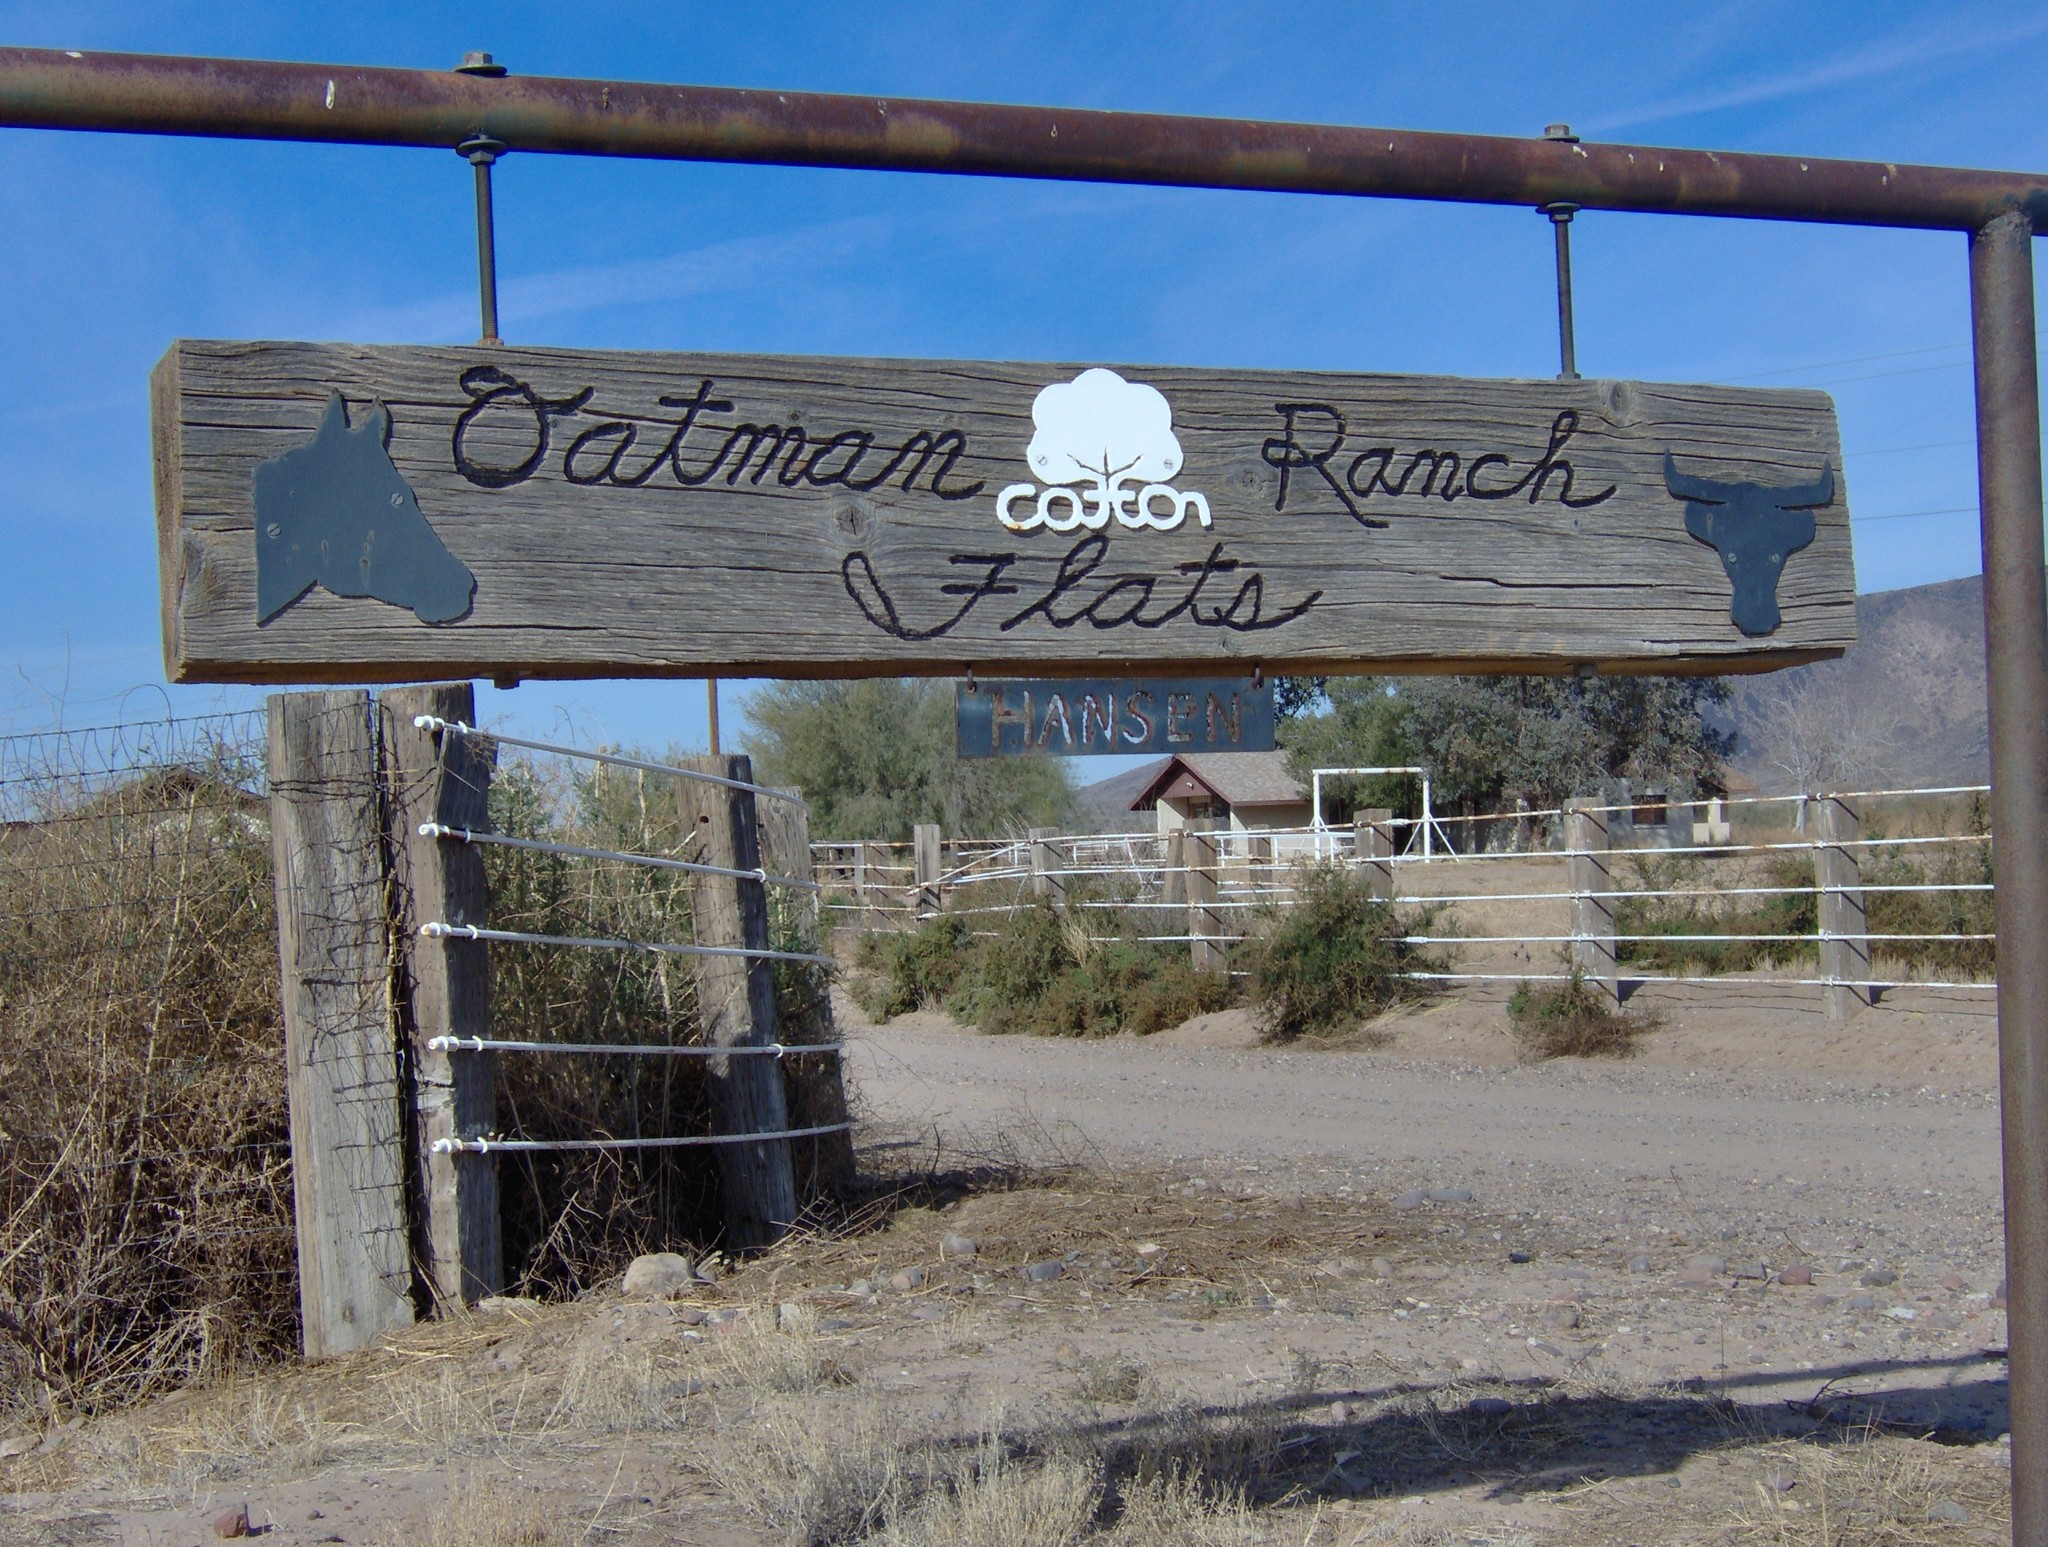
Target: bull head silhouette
{"x":1755,"y":528}
{"x":335,"y":513}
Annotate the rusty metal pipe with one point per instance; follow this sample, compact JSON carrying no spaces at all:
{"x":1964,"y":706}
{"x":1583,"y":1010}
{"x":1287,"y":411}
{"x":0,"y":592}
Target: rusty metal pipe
{"x":247,"y":99}
{"x":2016,"y":652}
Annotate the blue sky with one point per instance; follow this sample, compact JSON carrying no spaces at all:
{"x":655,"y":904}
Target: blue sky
{"x":113,"y":246}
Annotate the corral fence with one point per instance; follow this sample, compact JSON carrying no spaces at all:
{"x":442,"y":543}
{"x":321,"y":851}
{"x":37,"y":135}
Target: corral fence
{"x":1851,"y":894}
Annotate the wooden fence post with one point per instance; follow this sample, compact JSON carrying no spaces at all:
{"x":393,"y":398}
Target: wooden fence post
{"x":927,"y":848}
{"x":1835,"y":825}
{"x":1045,"y":861}
{"x":736,"y":999}
{"x":815,"y":1084}
{"x":1205,"y":921}
{"x":869,"y":890}
{"x":341,"y":1059}
{"x":1372,"y":846}
{"x":444,"y":984}
{"x":1173,"y":879}
{"x":1585,"y":839}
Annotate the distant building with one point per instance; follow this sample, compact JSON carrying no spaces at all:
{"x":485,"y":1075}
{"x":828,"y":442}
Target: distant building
{"x":1245,"y":792}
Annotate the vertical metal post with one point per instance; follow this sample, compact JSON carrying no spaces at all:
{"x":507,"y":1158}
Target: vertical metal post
{"x":481,"y":153}
{"x":2016,"y":653}
{"x":1561,"y":226}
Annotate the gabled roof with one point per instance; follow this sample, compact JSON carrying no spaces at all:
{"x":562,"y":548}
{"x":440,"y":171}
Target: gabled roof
{"x":1235,"y":778}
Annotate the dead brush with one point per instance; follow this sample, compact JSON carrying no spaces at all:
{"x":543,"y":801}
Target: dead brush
{"x":145,"y":1187}
{"x":1871,"y":1490}
{"x":1570,"y":1020}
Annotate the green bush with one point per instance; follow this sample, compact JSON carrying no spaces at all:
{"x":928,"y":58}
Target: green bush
{"x":1334,"y":958}
{"x":907,"y":970}
{"x":1570,"y":1020}
{"x":1791,"y":913}
{"x":1083,"y":973}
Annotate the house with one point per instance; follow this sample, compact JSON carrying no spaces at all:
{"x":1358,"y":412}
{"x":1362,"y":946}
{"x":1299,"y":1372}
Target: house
{"x":1242,"y":792}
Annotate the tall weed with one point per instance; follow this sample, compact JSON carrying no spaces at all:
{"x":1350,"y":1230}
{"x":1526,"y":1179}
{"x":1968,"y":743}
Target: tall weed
{"x":1334,"y":958}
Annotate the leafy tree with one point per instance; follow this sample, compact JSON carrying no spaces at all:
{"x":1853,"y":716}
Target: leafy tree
{"x":1365,"y":725}
{"x":875,"y":757}
{"x":1489,"y":741}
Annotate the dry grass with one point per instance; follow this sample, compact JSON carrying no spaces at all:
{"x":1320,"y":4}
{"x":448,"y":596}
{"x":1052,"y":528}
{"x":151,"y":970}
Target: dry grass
{"x":146,"y":1235}
{"x":1570,"y":1020}
{"x":489,"y":1514}
{"x":1877,"y":1491}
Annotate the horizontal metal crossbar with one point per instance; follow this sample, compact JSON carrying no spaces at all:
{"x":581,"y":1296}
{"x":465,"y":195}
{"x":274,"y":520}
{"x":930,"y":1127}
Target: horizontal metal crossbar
{"x":642,"y":1049}
{"x":577,"y":851}
{"x":436,"y":930}
{"x":488,"y":1146}
{"x":433,"y":722}
{"x":351,"y":104}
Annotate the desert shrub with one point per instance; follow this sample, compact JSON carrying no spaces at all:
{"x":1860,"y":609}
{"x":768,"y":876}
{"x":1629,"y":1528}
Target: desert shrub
{"x":145,"y":1181}
{"x":1570,"y":1020}
{"x":1932,"y":913}
{"x":146,"y":1231}
{"x":572,"y":1219}
{"x":1079,"y":973}
{"x":911,"y":969}
{"x":1794,"y":913}
{"x":1333,"y":958}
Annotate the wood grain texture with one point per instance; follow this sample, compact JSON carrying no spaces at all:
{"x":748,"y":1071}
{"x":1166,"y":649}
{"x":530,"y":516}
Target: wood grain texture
{"x":348,"y":1160}
{"x":767,"y":540}
{"x":444,"y":984}
{"x":736,"y":999}
{"x":1586,"y":841}
{"x":1207,"y":949}
{"x":815,"y":1085}
{"x":1372,"y":844}
{"x":1838,"y":877}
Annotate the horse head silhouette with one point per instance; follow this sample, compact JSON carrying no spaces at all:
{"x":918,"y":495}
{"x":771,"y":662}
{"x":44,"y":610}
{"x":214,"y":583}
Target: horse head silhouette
{"x":335,"y":512}
{"x":1755,"y":528}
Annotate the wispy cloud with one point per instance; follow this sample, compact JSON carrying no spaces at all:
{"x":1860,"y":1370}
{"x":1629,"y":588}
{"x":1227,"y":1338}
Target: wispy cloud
{"x":740,"y":264}
{"x":1884,"y":56}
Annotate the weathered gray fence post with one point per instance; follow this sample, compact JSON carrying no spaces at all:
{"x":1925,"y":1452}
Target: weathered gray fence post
{"x":1834,"y":826}
{"x":816,"y":1085}
{"x":341,"y":1059}
{"x":1585,"y":841}
{"x":926,"y":849}
{"x":443,"y":984}
{"x":1046,"y":881}
{"x":1173,"y":879}
{"x":1205,"y":920}
{"x":871,"y":882}
{"x":736,"y":1001}
{"x":1372,"y":849}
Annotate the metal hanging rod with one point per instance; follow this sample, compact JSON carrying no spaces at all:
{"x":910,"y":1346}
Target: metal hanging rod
{"x":577,"y":851}
{"x":351,"y":104}
{"x":439,"y":930}
{"x":432,"y":722}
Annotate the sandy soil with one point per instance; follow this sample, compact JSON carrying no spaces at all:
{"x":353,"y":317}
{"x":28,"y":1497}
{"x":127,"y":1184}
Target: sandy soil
{"x":1581,"y":1338}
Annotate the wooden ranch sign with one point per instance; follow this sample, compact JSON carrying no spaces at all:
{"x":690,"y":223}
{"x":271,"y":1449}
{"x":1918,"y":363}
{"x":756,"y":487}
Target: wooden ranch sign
{"x":334,"y":513}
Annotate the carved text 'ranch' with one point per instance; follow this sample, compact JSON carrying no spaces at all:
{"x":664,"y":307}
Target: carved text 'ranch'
{"x":591,"y":446}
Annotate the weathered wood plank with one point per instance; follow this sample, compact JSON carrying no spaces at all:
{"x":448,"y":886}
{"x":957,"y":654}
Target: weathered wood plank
{"x":736,"y":999}
{"x":1592,"y":888}
{"x":1206,"y":949}
{"x":815,"y":1083}
{"x":689,"y":515}
{"x":1838,"y":877}
{"x":444,"y":984}
{"x":1372,"y":846}
{"x":348,"y":1158}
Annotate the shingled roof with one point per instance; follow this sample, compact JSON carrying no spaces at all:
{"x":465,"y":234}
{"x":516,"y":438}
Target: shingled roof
{"x":1235,"y":778}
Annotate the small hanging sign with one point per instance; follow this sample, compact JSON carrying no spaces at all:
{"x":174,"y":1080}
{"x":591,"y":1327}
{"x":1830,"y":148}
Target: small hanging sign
{"x":1082,"y":719}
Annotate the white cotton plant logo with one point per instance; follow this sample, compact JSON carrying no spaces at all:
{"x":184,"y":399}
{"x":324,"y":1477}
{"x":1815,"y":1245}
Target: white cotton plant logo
{"x":1105,"y":434}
